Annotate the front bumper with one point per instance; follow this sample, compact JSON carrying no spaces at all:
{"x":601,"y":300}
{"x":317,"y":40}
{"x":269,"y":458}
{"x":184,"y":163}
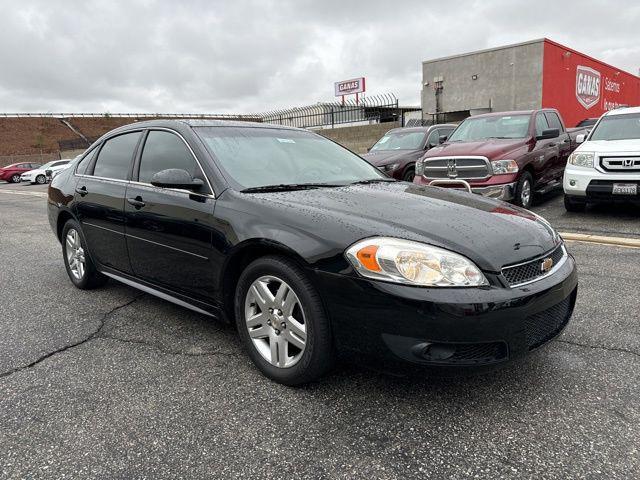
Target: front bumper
{"x":500,"y":191}
{"x":593,"y":185}
{"x":446,"y":328}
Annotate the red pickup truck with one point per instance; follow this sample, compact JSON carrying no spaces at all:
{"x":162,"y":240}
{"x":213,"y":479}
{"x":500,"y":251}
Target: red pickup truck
{"x":506,"y":155}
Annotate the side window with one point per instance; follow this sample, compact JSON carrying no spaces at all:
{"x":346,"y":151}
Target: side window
{"x":541,"y":124}
{"x":434,"y":138}
{"x":554,"y":121}
{"x":115,"y":157}
{"x":164,"y":150}
{"x":23,"y":165}
{"x":84,"y":163}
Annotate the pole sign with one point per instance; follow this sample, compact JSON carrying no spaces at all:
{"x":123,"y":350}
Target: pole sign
{"x":349,"y":87}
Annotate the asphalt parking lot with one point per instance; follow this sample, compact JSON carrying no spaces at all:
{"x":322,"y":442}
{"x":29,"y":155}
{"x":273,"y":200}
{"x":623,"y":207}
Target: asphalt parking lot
{"x":114,"y":383}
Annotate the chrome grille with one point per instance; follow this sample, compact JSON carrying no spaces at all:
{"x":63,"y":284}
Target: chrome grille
{"x":620,"y":164}
{"x":457,"y":167}
{"x":532,"y":270}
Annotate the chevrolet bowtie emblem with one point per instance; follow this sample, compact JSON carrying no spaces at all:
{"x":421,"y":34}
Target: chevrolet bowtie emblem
{"x":547,"y":264}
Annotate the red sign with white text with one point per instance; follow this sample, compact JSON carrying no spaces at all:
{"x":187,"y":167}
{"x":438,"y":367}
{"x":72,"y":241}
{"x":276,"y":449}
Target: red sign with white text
{"x":582,"y":87}
{"x":349,"y":87}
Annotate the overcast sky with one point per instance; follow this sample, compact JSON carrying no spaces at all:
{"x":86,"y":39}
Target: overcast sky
{"x":244,"y":56}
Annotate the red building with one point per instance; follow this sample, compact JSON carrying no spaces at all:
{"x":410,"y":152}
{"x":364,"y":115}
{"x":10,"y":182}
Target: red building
{"x":529,"y":75}
{"x":581,"y":86}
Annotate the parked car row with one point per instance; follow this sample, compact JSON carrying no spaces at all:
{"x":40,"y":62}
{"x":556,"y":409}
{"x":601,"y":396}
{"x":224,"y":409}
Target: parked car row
{"x":33,"y":173}
{"x":514,"y":155}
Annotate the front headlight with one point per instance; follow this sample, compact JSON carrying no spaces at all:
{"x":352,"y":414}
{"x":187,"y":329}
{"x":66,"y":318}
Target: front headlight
{"x":504,"y":167}
{"x":388,"y":168}
{"x":582,"y":159}
{"x":412,"y":263}
{"x":420,"y":167}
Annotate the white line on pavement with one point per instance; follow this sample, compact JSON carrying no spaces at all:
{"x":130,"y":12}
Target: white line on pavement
{"x":28,"y":194}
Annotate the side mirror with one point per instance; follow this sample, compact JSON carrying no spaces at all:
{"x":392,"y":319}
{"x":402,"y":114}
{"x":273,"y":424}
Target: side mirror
{"x":580,"y":138}
{"x":443,"y":138}
{"x":549,"y":133}
{"x":176,"y":178}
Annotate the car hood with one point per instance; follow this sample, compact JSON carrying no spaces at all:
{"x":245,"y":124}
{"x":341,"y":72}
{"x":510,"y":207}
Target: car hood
{"x":611,"y":146}
{"x":490,"y":232}
{"x":385,"y":157}
{"x":491,"y":148}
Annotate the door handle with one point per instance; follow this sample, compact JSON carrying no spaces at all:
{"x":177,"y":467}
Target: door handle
{"x":82,"y":191}
{"x":136,"y":202}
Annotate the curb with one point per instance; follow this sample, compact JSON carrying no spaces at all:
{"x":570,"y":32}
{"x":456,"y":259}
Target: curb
{"x":602,"y":240}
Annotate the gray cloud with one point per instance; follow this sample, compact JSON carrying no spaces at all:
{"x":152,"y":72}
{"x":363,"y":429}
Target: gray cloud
{"x":248,"y":56}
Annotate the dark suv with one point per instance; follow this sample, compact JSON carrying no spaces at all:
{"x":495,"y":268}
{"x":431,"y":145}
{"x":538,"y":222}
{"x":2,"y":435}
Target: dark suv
{"x":397,"y":151}
{"x":309,"y":248}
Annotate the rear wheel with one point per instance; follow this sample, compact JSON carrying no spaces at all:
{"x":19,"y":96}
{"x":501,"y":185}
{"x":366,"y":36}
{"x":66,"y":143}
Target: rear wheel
{"x":41,"y":179}
{"x":571,"y":204}
{"x":524,"y":191}
{"x":281,"y":321}
{"x":15,"y":178}
{"x":80,"y":268}
{"x":409,"y":174}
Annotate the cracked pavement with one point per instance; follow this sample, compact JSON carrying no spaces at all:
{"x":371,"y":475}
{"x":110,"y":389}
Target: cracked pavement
{"x":114,"y":383}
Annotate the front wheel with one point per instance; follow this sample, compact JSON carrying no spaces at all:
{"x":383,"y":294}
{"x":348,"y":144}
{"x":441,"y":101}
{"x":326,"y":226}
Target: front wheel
{"x":524,"y":191}
{"x":15,"y":178}
{"x":409,"y":174}
{"x":282,"y":323}
{"x":41,"y":179}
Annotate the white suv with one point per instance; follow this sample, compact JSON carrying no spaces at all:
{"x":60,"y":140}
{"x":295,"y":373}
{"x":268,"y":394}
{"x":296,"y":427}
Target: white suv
{"x":606,"y":164}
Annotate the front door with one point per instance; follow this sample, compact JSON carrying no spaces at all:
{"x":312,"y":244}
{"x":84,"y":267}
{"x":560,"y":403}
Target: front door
{"x":169,"y":231}
{"x":99,"y":200}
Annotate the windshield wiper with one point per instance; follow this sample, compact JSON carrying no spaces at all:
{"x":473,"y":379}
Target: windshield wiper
{"x":284,"y":187}
{"x":374,"y":180}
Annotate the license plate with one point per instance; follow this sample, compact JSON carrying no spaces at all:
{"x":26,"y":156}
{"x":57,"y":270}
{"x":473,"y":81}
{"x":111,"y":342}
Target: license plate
{"x":625,"y":188}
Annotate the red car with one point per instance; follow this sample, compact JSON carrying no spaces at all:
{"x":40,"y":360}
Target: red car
{"x":11,"y":173}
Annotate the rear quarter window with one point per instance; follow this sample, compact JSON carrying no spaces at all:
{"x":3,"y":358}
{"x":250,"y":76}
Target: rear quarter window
{"x":115,"y":157}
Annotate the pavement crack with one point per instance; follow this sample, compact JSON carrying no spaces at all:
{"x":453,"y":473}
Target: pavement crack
{"x":167,"y":351}
{"x":599,"y":347}
{"x":91,"y":336}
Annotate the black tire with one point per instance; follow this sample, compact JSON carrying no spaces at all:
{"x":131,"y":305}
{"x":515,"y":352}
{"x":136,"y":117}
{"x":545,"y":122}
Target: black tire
{"x":524,"y":185}
{"x":15,"y":178}
{"x":409,"y":174}
{"x":317,"y":357}
{"x":41,"y":179}
{"x":91,"y":277}
{"x":571,"y":204}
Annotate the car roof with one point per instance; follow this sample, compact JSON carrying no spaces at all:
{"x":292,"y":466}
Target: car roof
{"x":622,"y":111}
{"x":515,"y":112}
{"x":422,"y":129}
{"x":203,"y":123}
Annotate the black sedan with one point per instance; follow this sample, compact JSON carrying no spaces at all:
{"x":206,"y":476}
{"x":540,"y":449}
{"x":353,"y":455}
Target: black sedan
{"x":309,"y":249}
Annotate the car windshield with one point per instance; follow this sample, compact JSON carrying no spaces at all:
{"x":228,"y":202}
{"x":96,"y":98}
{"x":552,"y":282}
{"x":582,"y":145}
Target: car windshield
{"x":261,"y":157}
{"x":400,"y":141}
{"x":495,"y":126}
{"x":47,"y":165}
{"x":617,"y":127}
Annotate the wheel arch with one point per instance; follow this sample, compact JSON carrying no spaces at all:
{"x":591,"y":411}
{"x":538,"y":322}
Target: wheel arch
{"x":63,"y":217}
{"x":241,"y":256}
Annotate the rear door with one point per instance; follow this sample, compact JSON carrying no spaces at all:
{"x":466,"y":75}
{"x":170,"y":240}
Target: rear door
{"x":99,"y":199}
{"x":169,"y":231}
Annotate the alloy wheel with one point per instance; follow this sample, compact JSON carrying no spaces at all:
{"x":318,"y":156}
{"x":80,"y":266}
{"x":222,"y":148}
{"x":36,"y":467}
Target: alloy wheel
{"x":41,"y":179}
{"x":15,"y":178}
{"x":275,"y":320}
{"x":75,"y":254}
